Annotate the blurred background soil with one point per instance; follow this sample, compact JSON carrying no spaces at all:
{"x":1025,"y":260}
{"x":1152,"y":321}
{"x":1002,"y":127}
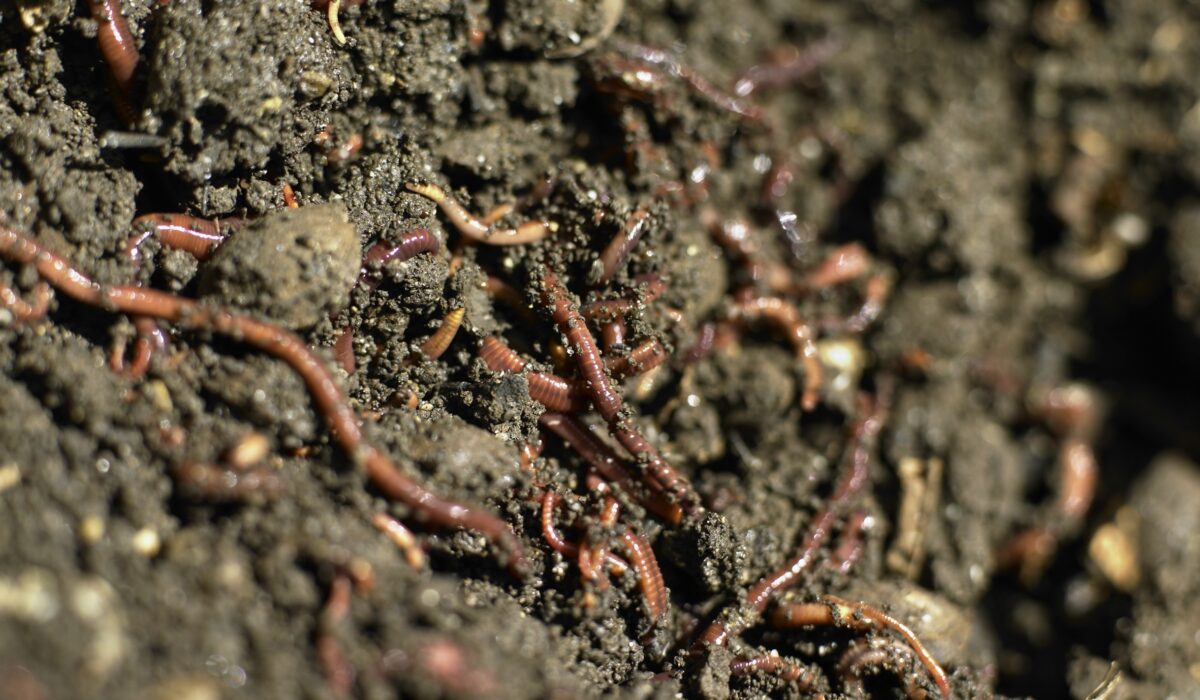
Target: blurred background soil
{"x":1023,"y":173}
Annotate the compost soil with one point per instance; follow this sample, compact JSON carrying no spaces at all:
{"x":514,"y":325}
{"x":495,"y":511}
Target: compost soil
{"x":1024,"y":175}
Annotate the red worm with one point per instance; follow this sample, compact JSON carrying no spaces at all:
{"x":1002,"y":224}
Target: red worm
{"x":785,"y":316}
{"x":591,"y":364}
{"x":838,"y":612}
{"x":604,"y":395}
{"x":846,"y":263}
{"x":605,"y":461}
{"x":550,"y":390}
{"x":470,"y":226}
{"x":337,"y":668}
{"x":805,"y":678}
{"x":411,"y":244}
{"x":650,"y":579}
{"x":880,"y":653}
{"x":792,"y":68}
{"x":697,"y":82}
{"x":23,"y":311}
{"x":343,"y":350}
{"x":199,"y":237}
{"x":612,"y":334}
{"x":875,"y":294}
{"x":851,"y":483}
{"x":650,"y":288}
{"x":191,"y":234}
{"x":222,"y":484}
{"x":558,"y":543}
{"x":851,"y":549}
{"x":119,"y":50}
{"x":617,"y":251}
{"x":649,"y":354}
{"x":283,"y":345}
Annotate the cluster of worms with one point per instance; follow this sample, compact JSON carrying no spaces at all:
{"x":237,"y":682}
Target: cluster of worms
{"x":625,"y":473}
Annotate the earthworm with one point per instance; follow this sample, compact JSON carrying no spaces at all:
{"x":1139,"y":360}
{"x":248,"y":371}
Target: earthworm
{"x":648,"y":354}
{"x":723,"y":100}
{"x":851,"y":549}
{"x":191,"y":234}
{"x":617,"y":251}
{"x":879,"y":653}
{"x":119,"y":51}
{"x":605,"y":397}
{"x":411,"y":244}
{"x":737,"y":238}
{"x":1079,"y":475}
{"x":1070,"y":412}
{"x":471,"y":227}
{"x":706,"y":337}
{"x":283,"y":345}
{"x":591,"y":365}
{"x":334,"y":664}
{"x":650,"y":579}
{"x":343,"y":350}
{"x":196,"y":236}
{"x":222,"y":484}
{"x":436,"y":344}
{"x":402,"y":537}
{"x":791,"y":69}
{"x":852,"y":481}
{"x":23,"y":311}
{"x":612,"y":335}
{"x":605,"y":461}
{"x":550,"y":502}
{"x":844,"y":264}
{"x":609,"y":514}
{"x":150,"y":340}
{"x":805,"y":678}
{"x":833,"y":611}
{"x":550,"y":390}
{"x":875,"y":294}
{"x":650,"y":288}
{"x":787,"y":318}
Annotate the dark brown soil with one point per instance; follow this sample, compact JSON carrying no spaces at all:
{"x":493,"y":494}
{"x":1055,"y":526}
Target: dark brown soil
{"x":1024,"y":174}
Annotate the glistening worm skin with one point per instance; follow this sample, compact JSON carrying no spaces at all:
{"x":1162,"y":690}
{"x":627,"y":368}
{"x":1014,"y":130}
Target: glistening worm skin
{"x":283,"y":345}
{"x":650,"y":579}
{"x":119,"y":51}
{"x":608,"y":402}
{"x":606,"y":463}
{"x":837,"y":612}
{"x":617,"y":251}
{"x":191,"y":234}
{"x":552,"y":391}
{"x":471,"y":227}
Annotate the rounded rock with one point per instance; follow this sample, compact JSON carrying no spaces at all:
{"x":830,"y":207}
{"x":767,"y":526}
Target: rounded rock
{"x":295,"y":266}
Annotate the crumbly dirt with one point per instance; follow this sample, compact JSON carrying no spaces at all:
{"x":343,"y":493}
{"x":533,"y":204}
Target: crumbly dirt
{"x":1024,"y":174}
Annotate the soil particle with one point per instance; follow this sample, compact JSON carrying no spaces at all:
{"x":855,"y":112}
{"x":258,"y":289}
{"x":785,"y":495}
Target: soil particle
{"x":229,"y":88}
{"x":294,"y":265}
{"x":1161,"y":500}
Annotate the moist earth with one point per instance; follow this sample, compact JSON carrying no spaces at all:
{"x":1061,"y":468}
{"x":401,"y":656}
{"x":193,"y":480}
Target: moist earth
{"x":1022,"y":173}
